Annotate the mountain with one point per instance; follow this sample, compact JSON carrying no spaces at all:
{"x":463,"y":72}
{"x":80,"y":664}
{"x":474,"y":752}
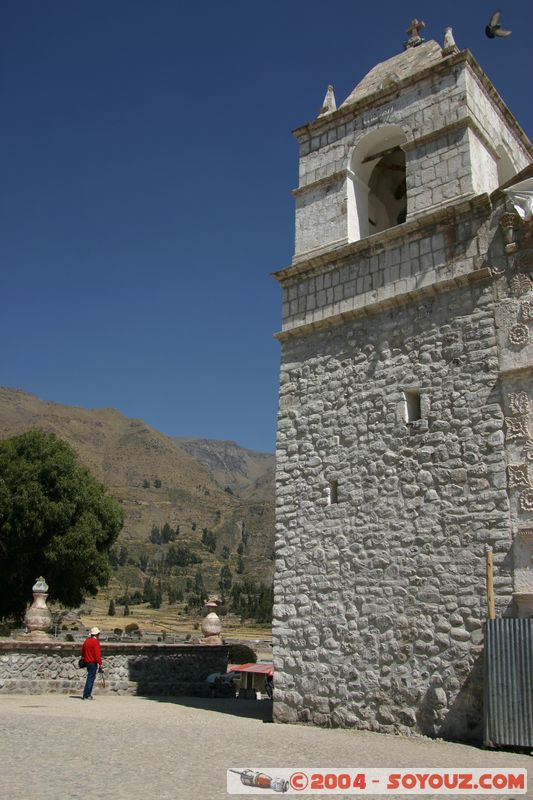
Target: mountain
{"x":192,"y":485}
{"x":246,"y":473}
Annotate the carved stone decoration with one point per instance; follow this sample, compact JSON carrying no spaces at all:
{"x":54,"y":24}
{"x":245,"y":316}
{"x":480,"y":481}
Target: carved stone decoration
{"x":518,"y":475}
{"x":509,"y":222}
{"x":38,"y":619}
{"x":520,"y":284}
{"x":516,"y":428}
{"x":526,"y":310}
{"x":518,"y":402}
{"x":526,"y":500}
{"x":525,"y":532}
{"x":519,"y":335}
{"x":497,"y":272}
{"x":528,"y":451}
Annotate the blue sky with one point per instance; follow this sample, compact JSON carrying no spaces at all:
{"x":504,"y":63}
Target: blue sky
{"x":146,"y":164}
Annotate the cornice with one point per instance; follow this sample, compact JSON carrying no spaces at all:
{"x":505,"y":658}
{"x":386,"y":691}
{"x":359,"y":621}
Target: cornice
{"x":319,"y":262}
{"x":377,"y":307}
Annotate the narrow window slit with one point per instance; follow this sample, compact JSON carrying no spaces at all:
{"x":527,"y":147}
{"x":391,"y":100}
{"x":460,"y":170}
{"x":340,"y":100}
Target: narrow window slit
{"x":333,"y":492}
{"x":413,"y":409}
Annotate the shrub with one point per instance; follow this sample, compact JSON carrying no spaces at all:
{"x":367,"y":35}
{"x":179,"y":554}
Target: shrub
{"x":241,"y":654}
{"x":132,"y":627}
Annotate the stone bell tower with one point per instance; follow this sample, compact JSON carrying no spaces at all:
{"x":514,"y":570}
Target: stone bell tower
{"x":404,"y":433}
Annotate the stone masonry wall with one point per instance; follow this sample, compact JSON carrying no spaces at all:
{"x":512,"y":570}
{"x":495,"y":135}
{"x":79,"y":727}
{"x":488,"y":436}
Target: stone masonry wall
{"x":380,"y":598}
{"x":129,"y":669}
{"x":406,"y":259}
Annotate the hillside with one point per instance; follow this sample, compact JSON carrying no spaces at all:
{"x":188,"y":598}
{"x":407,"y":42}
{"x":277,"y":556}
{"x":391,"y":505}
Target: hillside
{"x":247,"y":473}
{"x":160,"y":481}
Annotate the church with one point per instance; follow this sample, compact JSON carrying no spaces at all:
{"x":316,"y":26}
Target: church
{"x":405,"y":438}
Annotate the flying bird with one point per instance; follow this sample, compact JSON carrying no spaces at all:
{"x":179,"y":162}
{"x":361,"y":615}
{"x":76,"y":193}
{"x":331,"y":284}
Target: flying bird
{"x":494,"y":29}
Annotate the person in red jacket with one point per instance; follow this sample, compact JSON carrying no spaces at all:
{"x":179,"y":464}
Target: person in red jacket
{"x":91,"y":654}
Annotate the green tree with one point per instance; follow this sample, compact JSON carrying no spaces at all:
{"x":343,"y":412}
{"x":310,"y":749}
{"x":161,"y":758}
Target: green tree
{"x":55,"y":520}
{"x":199,"y":587}
{"x":148,"y":591}
{"x":226,"y":579}
{"x":143,"y":561}
{"x":111,"y":610}
{"x":155,"y":535}
{"x":167,"y":534}
{"x":126,"y":610}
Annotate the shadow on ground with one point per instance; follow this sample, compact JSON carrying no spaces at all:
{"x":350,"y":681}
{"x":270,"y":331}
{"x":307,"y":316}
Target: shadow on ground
{"x":253,"y":709}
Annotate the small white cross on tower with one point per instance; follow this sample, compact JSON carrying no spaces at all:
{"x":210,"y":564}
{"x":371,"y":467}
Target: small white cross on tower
{"x":414,"y":36}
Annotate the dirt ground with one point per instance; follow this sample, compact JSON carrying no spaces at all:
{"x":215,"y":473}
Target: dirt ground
{"x":56,"y":747}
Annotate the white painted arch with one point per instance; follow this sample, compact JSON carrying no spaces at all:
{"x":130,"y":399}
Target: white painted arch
{"x":371,"y":205}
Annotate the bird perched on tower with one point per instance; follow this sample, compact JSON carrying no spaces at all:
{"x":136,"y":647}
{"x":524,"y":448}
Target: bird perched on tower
{"x":494,"y":28}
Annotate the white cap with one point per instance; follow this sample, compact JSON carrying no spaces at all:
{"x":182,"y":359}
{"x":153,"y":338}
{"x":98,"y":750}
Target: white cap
{"x":94,"y":631}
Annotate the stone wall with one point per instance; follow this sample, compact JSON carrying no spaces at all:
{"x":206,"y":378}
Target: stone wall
{"x":157,"y":669}
{"x":381,"y":596}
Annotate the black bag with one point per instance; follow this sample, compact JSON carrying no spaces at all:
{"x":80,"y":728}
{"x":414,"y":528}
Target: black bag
{"x":81,"y":664}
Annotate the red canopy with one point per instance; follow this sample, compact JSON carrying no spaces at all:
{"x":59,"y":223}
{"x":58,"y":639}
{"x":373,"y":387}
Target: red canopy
{"x":260,"y":669}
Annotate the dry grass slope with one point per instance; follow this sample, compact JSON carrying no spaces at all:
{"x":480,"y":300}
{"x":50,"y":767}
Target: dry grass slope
{"x":157,"y":481}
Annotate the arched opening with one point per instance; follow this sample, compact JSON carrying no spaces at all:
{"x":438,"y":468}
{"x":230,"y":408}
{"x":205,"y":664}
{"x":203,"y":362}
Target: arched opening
{"x":377,"y":193}
{"x":504,"y":165}
{"x":387,"y":197}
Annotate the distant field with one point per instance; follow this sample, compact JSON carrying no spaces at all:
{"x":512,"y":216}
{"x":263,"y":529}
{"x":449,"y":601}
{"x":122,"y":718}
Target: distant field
{"x":171,"y":621}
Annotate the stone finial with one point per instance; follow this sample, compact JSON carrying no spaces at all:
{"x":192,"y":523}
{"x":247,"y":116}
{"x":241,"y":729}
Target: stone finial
{"x":329,"y":105}
{"x":414,"y":34}
{"x":38,"y":619}
{"x":449,"y":43}
{"x":40,"y":585}
{"x":211,"y":625}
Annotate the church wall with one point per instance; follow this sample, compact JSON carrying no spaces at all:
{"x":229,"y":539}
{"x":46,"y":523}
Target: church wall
{"x":492,"y":122}
{"x":321,"y":214}
{"x":484,"y":166}
{"x":438,"y":171}
{"x":380,"y":597}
